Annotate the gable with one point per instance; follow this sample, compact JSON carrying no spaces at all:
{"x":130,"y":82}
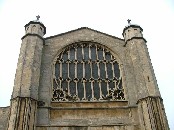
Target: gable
{"x":85,"y":31}
{"x":83,"y":34}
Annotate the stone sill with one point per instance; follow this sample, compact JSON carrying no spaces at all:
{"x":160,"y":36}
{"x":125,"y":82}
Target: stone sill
{"x":89,"y":105}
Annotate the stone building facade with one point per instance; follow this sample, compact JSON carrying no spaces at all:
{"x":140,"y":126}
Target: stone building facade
{"x":84,"y":80}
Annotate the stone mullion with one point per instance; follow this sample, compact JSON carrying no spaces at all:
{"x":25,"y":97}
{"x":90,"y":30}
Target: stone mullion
{"x":68,"y":70}
{"x":83,"y":62}
{"x":113,"y":70}
{"x":84,"y":91}
{"x":105,"y":63}
{"x":97,"y":63}
{"x":83,"y":69}
{"x":83,"y":81}
{"x":90,"y":59}
{"x":99,"y":83}
{"x":69,"y":78}
{"x":113,"y":73}
{"x":76,"y":62}
{"x":82,"y":52}
{"x":76,"y":89}
{"x":84,"y":86}
{"x":61,"y":75}
{"x":92,"y":85}
{"x":106,"y":80}
{"x":98,"y":66}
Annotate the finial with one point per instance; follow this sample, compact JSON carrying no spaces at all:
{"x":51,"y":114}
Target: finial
{"x":37,"y":17}
{"x":128,"y":21}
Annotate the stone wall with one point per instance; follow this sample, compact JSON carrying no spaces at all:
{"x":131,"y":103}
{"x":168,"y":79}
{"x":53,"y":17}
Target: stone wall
{"x":4,"y":114}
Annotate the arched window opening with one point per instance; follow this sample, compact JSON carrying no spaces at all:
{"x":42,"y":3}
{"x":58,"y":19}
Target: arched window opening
{"x":33,"y":30}
{"x":86,"y":72}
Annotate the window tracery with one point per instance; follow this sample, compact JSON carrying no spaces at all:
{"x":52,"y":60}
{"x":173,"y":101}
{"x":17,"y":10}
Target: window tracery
{"x":86,"y":72}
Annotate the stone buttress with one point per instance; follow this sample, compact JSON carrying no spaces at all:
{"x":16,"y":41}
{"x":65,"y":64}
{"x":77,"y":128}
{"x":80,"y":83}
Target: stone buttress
{"x":150,"y":105}
{"x":25,"y":92}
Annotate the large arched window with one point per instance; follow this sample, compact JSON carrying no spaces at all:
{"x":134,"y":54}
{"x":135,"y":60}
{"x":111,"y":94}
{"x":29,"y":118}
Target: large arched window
{"x":86,"y":72}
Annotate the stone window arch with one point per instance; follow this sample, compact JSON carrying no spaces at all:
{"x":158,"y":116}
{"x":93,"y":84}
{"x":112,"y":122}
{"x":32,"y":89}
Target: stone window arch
{"x":33,"y":29}
{"x":86,"y":72}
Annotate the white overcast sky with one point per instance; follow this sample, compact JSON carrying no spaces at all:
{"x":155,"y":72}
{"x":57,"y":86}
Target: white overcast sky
{"x":156,"y":17}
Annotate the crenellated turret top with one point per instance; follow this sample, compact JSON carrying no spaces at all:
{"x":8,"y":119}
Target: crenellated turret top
{"x":132,"y":31}
{"x":35,"y":27}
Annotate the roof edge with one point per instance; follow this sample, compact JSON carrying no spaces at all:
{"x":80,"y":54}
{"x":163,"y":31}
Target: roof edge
{"x":132,"y":25}
{"x":81,"y":29}
{"x":36,"y":22}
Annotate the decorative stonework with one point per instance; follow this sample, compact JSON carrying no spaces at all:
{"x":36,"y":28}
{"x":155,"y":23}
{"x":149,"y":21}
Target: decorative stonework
{"x":87,"y":72}
{"x":85,"y":85}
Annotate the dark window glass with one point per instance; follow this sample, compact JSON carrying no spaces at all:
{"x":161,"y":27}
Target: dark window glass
{"x":57,"y":70}
{"x":120,"y":84}
{"x":88,"y":91}
{"x":64,"y":85}
{"x":64,"y":70}
{"x":96,"y":90}
{"x":72,"y":88}
{"x":79,"y":54}
{"x":116,"y":69}
{"x":87,"y":71}
{"x":72,"y":70}
{"x":109,"y":70}
{"x":86,"y":53}
{"x":100,"y":54}
{"x":111,"y":85}
{"x":94,"y":70}
{"x":104,"y":88}
{"x":65,"y":56}
{"x":80,"y":90}
{"x":102,"y":71}
{"x":79,"y":70}
{"x":93,"y":53}
{"x":72,"y":54}
{"x":108,"y":56}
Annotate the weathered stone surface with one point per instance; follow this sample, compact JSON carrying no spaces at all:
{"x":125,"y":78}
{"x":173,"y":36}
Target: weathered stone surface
{"x":32,"y":104}
{"x":4,"y":115}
